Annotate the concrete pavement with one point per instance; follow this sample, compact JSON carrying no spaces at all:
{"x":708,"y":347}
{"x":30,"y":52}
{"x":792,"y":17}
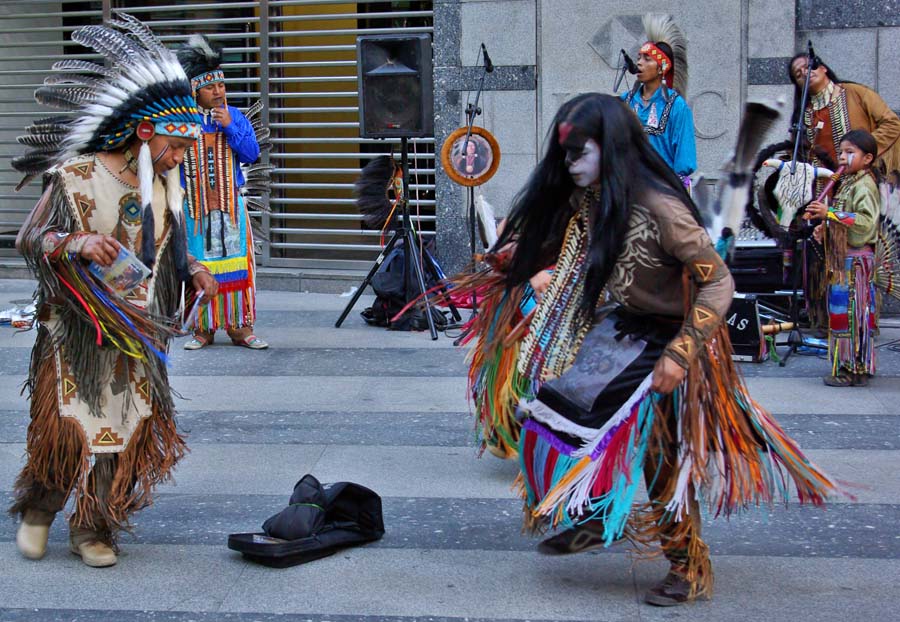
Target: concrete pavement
{"x":388,"y":410}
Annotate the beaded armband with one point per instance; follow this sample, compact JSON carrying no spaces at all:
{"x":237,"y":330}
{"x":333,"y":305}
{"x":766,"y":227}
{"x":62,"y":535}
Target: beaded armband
{"x":55,"y":243}
{"x":845,"y":218}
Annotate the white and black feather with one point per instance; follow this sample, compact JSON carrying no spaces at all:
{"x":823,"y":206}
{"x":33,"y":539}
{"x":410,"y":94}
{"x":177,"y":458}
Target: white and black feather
{"x":727,"y":209}
{"x":200,"y":55}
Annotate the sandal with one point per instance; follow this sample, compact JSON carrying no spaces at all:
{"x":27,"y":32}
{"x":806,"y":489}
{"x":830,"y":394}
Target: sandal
{"x":841,"y":380}
{"x":860,"y":380}
{"x":197,"y":342}
{"x":251,"y":341}
{"x":588,"y":536}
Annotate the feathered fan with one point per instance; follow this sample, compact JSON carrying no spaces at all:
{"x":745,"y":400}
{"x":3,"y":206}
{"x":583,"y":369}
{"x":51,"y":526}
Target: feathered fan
{"x":378,"y":191}
{"x":257,"y":177}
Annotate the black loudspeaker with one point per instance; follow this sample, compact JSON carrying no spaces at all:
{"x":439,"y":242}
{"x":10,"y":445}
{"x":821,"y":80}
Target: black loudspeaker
{"x":744,"y":329}
{"x":758,"y":270}
{"x":395,"y":85}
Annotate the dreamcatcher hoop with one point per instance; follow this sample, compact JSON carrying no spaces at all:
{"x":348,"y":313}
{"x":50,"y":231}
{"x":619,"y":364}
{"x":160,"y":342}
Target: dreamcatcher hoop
{"x":480,"y":161}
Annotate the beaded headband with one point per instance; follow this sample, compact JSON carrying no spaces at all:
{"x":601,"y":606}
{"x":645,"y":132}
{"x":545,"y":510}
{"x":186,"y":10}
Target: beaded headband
{"x":664,"y":62}
{"x":206,"y":78}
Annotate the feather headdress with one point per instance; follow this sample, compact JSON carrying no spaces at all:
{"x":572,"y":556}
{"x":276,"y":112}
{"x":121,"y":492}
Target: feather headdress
{"x":661,"y":28}
{"x":141,"y":89}
{"x":202,"y":60}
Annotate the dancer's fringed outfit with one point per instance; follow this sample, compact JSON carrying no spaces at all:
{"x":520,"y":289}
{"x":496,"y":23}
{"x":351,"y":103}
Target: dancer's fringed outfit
{"x":592,"y":425}
{"x":218,"y":224}
{"x":595,"y":429}
{"x":852,"y":233}
{"x":102,"y":417}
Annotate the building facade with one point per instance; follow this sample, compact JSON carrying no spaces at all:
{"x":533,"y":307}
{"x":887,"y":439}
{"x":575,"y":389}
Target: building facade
{"x":299,"y":58}
{"x":548,"y":50}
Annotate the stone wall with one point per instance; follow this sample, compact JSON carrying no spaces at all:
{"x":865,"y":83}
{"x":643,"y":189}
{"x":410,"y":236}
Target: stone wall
{"x":548,"y":50}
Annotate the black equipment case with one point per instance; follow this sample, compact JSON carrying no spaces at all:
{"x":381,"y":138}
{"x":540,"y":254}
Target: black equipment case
{"x":320,"y":520}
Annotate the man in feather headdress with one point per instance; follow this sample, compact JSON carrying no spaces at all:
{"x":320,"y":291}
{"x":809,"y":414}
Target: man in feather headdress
{"x":658,"y":95}
{"x":218,"y":225}
{"x":102,"y":416}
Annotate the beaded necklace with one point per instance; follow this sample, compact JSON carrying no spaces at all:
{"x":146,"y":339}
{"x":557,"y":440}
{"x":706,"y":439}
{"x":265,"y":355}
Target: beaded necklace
{"x":556,"y":332}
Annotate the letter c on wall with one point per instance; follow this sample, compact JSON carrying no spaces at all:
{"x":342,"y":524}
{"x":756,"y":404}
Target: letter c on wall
{"x":722,"y":101}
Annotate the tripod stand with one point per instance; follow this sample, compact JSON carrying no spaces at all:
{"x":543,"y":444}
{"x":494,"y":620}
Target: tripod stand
{"x":795,"y":340}
{"x":414,"y":261}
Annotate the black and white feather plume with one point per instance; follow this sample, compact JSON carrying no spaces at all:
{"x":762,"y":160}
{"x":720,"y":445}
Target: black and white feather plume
{"x":375,"y":191}
{"x":661,"y":28}
{"x":104,"y":100}
{"x":733,"y":190}
{"x":200,"y":55}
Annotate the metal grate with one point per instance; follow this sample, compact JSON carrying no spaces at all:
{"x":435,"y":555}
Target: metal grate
{"x":298,"y":56}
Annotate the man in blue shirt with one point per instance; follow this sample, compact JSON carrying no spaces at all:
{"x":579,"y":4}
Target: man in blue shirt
{"x":218,"y":225}
{"x":658,"y":96}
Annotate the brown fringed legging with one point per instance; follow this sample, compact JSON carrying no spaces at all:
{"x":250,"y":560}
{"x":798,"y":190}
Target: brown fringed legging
{"x":108,"y":487}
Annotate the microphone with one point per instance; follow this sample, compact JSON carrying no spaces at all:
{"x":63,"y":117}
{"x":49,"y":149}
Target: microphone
{"x":488,"y":65}
{"x":815,"y":61}
{"x":629,"y":64}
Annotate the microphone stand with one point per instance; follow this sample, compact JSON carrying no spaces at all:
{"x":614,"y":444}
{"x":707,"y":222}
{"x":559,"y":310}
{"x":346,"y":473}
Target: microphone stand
{"x":627,"y":66}
{"x":620,"y":74}
{"x":799,"y":241}
{"x":472,"y":111}
{"x":796,"y":340}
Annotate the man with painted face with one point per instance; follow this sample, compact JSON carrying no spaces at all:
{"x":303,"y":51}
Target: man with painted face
{"x":218,"y":224}
{"x":658,"y":95}
{"x":626,"y":355}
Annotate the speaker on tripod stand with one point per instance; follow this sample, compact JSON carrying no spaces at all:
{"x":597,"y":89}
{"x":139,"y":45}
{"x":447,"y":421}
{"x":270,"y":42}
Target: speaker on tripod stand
{"x":395,"y":85}
{"x":396,"y":100}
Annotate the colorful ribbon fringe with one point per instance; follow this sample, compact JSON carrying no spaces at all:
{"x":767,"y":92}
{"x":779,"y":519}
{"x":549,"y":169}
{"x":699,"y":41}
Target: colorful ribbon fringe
{"x":125,"y":326}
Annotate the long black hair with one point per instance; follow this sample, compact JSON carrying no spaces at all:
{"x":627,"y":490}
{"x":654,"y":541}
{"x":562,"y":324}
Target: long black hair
{"x":629,"y":168}
{"x":798,"y":88}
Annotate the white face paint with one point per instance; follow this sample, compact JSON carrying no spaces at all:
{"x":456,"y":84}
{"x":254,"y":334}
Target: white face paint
{"x":584,"y":166}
